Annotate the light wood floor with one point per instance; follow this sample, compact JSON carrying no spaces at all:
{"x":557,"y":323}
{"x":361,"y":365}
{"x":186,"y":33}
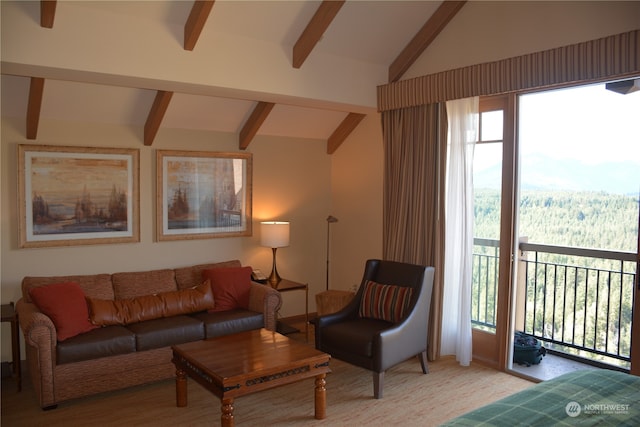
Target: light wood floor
{"x":410,"y":399}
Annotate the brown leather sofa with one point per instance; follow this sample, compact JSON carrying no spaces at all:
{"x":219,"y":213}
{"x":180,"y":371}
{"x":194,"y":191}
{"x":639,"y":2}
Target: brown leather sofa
{"x":135,"y":350}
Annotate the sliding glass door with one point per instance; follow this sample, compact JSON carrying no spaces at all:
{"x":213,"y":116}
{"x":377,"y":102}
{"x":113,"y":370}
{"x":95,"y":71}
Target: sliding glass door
{"x":578,"y":222}
{"x":556,"y":193}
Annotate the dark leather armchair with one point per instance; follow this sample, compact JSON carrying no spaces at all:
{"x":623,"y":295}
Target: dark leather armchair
{"x":376,"y":344}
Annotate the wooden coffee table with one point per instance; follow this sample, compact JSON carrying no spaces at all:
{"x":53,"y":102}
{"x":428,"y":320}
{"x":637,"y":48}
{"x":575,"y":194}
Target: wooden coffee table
{"x":247,"y":362}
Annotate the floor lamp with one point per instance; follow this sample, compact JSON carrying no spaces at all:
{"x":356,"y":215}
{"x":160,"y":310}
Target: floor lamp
{"x":330,"y":220}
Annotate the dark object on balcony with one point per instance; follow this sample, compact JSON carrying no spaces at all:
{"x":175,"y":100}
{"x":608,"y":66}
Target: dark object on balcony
{"x":378,"y":334}
{"x":527,"y":350}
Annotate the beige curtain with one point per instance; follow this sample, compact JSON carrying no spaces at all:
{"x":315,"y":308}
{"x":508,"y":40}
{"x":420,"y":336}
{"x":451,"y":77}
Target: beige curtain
{"x":616,"y":56}
{"x":413,"y":208}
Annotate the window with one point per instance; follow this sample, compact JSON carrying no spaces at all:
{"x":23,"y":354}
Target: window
{"x":487,"y":184}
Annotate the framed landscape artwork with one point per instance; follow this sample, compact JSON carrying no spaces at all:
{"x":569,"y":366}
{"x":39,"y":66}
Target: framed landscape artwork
{"x":77,"y":195}
{"x":203,"y":195}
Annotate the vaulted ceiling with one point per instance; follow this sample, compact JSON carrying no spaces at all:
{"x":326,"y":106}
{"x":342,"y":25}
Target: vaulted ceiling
{"x":318,"y":82}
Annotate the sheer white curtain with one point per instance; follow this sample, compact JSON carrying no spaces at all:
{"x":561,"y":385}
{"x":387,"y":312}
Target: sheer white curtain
{"x":456,"y":305}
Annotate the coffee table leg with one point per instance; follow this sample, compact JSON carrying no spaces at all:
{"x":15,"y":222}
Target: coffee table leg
{"x":181,"y":388}
{"x":226,"y":418}
{"x":321,"y":397}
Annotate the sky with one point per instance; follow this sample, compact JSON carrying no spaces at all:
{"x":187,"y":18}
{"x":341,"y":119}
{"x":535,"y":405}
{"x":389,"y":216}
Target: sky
{"x":589,"y":123}
{"x":567,"y":134}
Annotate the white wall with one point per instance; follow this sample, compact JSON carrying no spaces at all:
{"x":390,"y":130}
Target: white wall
{"x":291,"y":181}
{"x":356,"y":195}
{"x":485,"y":31}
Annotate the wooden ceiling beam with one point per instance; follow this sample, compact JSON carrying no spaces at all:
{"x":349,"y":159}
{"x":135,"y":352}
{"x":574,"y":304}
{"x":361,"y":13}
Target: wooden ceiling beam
{"x":195,"y":23}
{"x":36,"y":89}
{"x":250,"y":128}
{"x":47,"y":13}
{"x":424,"y":38}
{"x":311,"y":35}
{"x":341,"y":133}
{"x":156,"y":114}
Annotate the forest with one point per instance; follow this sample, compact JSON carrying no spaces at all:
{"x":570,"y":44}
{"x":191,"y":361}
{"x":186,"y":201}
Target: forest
{"x":582,"y":302}
{"x":574,"y":219}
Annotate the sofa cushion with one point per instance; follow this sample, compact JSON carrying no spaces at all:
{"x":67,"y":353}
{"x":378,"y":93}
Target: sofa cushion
{"x":139,"y":283}
{"x":221,"y":323}
{"x":167,"y":331}
{"x":65,"y":305}
{"x":94,"y":285}
{"x":100,"y":342}
{"x":187,"y":277}
{"x":231,"y":287}
{"x":148,"y":307}
{"x":384,"y":302}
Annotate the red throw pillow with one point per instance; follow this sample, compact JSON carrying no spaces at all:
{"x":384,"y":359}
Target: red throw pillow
{"x":66,"y":306}
{"x":230,"y":287}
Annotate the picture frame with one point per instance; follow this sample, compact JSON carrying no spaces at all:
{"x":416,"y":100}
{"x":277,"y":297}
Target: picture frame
{"x":203,"y":195}
{"x":77,"y":195}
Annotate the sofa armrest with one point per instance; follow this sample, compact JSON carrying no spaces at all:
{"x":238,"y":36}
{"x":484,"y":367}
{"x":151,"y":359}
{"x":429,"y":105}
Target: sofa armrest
{"x":37,"y":327}
{"x":264,"y":299}
{"x":40,"y":347}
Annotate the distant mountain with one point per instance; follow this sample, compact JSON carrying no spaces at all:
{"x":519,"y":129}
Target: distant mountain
{"x":539,"y":172}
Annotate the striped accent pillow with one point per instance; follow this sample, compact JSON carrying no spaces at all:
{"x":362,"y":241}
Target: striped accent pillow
{"x":384,"y":302}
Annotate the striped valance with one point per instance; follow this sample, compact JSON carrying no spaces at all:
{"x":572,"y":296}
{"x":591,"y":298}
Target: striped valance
{"x":595,"y":60}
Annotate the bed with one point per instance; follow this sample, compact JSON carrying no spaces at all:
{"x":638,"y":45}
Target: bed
{"x":586,"y":398}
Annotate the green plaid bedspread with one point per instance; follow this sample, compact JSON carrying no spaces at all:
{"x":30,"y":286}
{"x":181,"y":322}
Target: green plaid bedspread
{"x":582,"y":398}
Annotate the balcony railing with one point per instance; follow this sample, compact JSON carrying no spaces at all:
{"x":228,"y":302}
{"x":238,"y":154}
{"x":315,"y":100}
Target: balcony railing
{"x":484,"y":287}
{"x":578,"y":301}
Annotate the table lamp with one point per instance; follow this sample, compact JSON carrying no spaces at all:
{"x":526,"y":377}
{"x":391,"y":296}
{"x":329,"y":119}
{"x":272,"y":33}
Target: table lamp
{"x":274,"y":235}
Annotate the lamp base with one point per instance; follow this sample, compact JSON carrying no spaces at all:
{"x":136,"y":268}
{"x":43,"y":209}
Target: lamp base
{"x":274,"y":277}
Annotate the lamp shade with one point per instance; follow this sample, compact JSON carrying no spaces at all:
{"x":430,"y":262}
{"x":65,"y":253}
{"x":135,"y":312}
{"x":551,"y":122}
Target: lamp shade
{"x":274,"y":234}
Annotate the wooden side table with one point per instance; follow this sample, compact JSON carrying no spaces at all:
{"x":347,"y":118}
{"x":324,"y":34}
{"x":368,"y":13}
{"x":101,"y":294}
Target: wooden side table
{"x":9,"y":315}
{"x":289,"y":285}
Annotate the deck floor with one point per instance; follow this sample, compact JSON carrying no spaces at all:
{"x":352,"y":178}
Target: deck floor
{"x":551,"y":366}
